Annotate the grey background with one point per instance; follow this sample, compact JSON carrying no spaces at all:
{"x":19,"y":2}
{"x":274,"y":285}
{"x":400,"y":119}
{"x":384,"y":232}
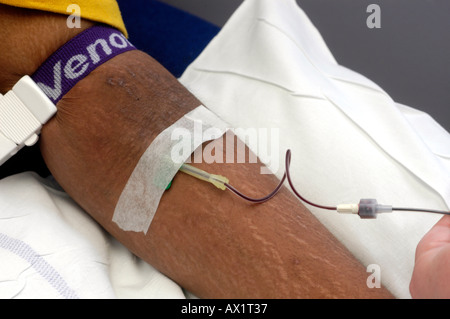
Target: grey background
{"x":409,"y":56}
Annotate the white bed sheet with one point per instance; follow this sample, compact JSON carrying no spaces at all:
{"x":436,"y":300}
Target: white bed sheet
{"x":50,"y":248}
{"x":268,"y":67}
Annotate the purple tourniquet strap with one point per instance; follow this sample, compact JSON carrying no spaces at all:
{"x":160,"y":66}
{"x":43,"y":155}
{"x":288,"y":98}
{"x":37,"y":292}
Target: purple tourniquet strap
{"x":77,"y":58}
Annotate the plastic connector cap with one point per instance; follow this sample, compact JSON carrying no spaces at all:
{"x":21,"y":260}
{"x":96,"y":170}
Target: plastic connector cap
{"x":348,"y":208}
{"x":369,"y":209}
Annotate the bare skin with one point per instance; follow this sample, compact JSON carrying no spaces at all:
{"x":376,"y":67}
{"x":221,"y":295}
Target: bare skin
{"x":208,"y":241}
{"x":431,"y":276}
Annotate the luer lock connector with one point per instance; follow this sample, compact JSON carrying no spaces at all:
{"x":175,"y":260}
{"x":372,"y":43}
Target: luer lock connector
{"x":366,"y":209}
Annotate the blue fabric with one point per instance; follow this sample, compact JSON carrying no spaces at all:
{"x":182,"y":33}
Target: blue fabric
{"x":171,"y":36}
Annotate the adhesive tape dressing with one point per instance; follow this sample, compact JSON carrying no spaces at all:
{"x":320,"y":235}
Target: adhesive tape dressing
{"x":158,"y":165}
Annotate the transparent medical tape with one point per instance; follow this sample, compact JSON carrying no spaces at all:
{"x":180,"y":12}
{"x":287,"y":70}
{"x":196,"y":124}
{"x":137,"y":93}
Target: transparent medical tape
{"x":158,"y":165}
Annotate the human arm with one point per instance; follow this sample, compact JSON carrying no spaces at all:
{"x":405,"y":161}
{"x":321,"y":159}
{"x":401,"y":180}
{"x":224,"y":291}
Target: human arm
{"x":208,"y":241}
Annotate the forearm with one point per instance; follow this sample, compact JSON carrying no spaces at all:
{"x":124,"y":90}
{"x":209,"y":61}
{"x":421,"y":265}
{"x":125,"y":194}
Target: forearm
{"x":217,"y":245}
{"x":210,"y":242}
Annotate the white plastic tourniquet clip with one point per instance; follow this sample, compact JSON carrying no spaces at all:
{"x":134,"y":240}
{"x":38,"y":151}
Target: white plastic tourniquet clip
{"x":23,"y":111}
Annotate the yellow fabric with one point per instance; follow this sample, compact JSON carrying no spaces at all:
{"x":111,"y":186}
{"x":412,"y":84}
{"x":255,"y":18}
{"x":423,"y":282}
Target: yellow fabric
{"x":104,"y":11}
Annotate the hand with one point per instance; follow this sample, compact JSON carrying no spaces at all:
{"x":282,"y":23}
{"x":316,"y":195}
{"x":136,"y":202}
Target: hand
{"x":431,"y":276}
